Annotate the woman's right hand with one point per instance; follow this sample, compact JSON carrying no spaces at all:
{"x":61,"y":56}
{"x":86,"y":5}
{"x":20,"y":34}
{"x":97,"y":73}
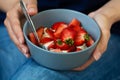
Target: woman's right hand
{"x":14,"y":20}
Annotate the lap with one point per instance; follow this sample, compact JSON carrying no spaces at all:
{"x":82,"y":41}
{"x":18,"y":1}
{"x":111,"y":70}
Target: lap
{"x":107,"y":68}
{"x":10,"y":57}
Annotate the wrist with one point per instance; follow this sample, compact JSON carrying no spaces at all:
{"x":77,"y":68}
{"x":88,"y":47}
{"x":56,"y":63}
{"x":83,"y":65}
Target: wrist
{"x":110,"y":11}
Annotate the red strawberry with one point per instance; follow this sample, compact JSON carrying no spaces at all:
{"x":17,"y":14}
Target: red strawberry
{"x":32,"y":38}
{"x":56,"y":25}
{"x":75,"y":25}
{"x":45,"y":40}
{"x":40,"y":32}
{"x":81,"y":37}
{"x":60,"y":28}
{"x":89,"y":42}
{"x":72,"y":48}
{"x":68,"y":36}
{"x":75,"y":22}
{"x":51,"y":46}
{"x":76,"y":28}
{"x":61,"y":45}
{"x":50,"y":32}
{"x":78,"y":49}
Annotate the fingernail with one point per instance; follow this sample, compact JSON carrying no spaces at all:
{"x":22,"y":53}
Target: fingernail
{"x":27,"y":55}
{"x":97,"y":56}
{"x":20,"y":41}
{"x":31,"y":10}
{"x":24,"y":50}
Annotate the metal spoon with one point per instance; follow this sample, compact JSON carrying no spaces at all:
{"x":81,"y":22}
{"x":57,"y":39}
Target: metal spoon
{"x":23,"y":6}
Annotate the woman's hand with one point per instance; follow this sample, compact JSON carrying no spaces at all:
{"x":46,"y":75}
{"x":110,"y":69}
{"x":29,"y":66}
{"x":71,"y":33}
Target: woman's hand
{"x":14,"y":20}
{"x":107,"y":15}
{"x":104,"y":25}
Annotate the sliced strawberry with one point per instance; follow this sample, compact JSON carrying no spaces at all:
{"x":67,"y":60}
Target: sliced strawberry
{"x":80,"y":38}
{"x":76,"y":28}
{"x":40,"y":32}
{"x":49,"y":45}
{"x":89,"y":42}
{"x":52,"y":45}
{"x":78,"y":49}
{"x":50,"y":32}
{"x":72,"y":48}
{"x":68,"y":36}
{"x":61,"y":45}
{"x":45,"y":40}
{"x":60,"y":28}
{"x":75,"y":22}
{"x":32,"y":38}
{"x":56,"y":25}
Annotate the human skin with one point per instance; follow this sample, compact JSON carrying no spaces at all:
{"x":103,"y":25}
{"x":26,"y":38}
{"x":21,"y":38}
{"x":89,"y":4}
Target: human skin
{"x":6,"y":5}
{"x":104,"y":16}
{"x":14,"y":20}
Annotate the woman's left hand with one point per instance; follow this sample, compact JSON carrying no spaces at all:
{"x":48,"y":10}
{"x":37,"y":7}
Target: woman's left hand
{"x":104,"y":25}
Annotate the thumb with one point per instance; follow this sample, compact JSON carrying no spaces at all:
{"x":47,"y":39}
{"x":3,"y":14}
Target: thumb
{"x":32,"y":7}
{"x":104,"y":25}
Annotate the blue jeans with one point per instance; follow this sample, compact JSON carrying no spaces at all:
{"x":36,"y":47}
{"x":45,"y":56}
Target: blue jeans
{"x":14,"y":66}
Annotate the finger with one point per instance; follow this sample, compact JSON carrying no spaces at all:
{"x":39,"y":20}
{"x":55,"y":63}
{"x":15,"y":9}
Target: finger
{"x":105,"y":35}
{"x":32,"y":6}
{"x":97,"y":54}
{"x":11,"y":32}
{"x":13,"y":18}
{"x":84,"y":66}
{"x":102,"y":45}
{"x":25,"y":50}
{"x":14,"y":38}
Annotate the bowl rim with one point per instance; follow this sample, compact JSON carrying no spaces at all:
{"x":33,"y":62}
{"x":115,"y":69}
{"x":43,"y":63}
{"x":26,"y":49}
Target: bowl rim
{"x":61,"y":53}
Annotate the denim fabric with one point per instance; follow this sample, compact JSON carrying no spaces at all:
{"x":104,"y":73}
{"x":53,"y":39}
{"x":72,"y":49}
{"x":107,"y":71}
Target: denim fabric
{"x":10,"y":57}
{"x":107,"y":68}
{"x":14,"y":66}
